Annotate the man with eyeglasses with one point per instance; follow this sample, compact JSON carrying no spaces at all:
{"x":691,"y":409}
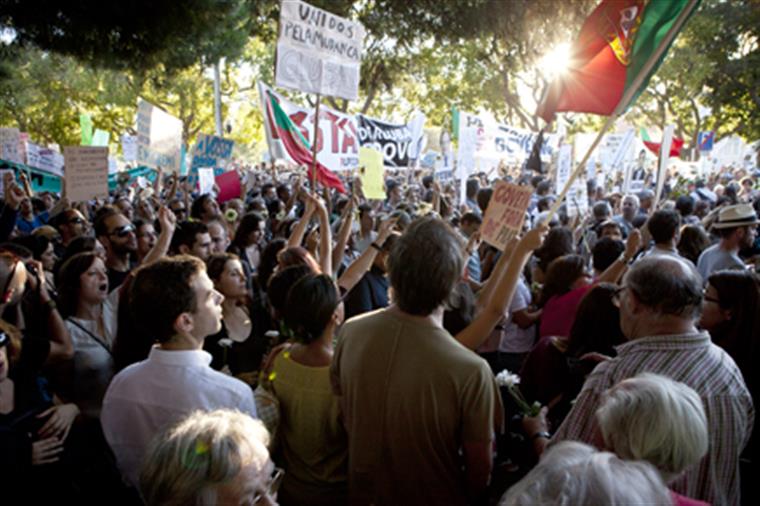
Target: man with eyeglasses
{"x":660,"y":301}
{"x":70,"y":224}
{"x":117,"y":234}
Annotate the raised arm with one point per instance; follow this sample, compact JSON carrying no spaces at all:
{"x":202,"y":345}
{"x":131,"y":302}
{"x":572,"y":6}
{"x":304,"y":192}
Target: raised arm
{"x":168,"y":221}
{"x":296,"y":236}
{"x":344,"y":232}
{"x":613,"y":273}
{"x":353,"y":274}
{"x":496,"y":305}
{"x":325,"y":239}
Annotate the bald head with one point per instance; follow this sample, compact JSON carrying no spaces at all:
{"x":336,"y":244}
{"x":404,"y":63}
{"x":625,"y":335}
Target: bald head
{"x":667,"y":285}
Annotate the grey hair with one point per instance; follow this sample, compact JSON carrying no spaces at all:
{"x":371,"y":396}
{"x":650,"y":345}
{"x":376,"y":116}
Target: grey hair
{"x":424,"y":265}
{"x":667,"y":285}
{"x":185,"y":464}
{"x":634,"y":197}
{"x":572,"y":473}
{"x":653,"y":418}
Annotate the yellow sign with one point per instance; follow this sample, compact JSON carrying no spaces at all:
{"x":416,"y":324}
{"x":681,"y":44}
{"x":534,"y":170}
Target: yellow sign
{"x":371,"y":172}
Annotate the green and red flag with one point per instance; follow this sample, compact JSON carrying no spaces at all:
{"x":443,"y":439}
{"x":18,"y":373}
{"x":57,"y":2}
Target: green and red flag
{"x":614,"y":45}
{"x":298,"y":147}
{"x":675,"y":145}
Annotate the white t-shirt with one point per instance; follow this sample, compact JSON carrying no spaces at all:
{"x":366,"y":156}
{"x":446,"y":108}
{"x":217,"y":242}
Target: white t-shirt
{"x":513,"y":338}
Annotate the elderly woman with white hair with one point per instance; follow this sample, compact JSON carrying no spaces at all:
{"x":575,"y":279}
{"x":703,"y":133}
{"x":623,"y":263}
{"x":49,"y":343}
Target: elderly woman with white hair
{"x":652,"y":418}
{"x":575,"y":473}
{"x":217,"y":457}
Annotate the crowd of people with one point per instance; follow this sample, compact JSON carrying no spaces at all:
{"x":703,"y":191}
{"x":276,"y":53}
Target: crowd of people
{"x":301,"y":346}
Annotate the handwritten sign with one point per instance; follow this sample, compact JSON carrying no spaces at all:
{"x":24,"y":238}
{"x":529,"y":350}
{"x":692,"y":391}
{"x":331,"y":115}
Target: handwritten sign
{"x":318,"y":52}
{"x":505,"y":214}
{"x":44,"y":159}
{"x":371,"y":173}
{"x":206,"y":180}
{"x":211,"y":151}
{"x":159,"y":137}
{"x":9,"y":145}
{"x":86,"y":172}
{"x":129,"y":147}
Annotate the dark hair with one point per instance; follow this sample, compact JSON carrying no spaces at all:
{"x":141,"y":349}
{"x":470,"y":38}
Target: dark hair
{"x":484,"y":198}
{"x":663,"y":225}
{"x":605,"y":252}
{"x":601,"y":210}
{"x":562,"y":273}
{"x":473,"y":185}
{"x":297,"y":255}
{"x":460,"y":310}
{"x":17,"y":249}
{"x":280,"y":284}
{"x":13,"y":346}
{"x":69,"y":282}
{"x":196,"y":209}
{"x":596,"y":327}
{"x":558,"y":242}
{"x":216,"y":263}
{"x":470,"y":217}
{"x":693,"y":242}
{"x":185,"y":234}
{"x":363,"y":209}
{"x":424,"y":265}
{"x":248,"y":223}
{"x":685,"y":205}
{"x":667,"y":285}
{"x":36,"y":244}
{"x":543,"y":187}
{"x":309,"y":306}
{"x":162,"y":291}
{"x":739,"y":292}
{"x":105,"y":212}
{"x":269,"y":261}
{"x":80,"y":244}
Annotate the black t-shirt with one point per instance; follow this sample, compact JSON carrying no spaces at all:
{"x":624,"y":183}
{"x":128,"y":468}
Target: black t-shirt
{"x":116,"y":278}
{"x":369,"y":294}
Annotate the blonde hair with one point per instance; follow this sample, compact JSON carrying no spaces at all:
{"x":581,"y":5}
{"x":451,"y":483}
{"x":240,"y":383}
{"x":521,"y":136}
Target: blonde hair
{"x":185,"y":464}
{"x":572,"y":473}
{"x":653,"y":418}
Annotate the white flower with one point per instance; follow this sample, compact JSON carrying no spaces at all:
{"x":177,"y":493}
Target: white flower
{"x":225,"y":343}
{"x":507,"y":379}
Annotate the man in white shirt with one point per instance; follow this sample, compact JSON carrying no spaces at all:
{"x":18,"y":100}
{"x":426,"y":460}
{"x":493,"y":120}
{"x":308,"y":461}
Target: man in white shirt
{"x":175,"y":301}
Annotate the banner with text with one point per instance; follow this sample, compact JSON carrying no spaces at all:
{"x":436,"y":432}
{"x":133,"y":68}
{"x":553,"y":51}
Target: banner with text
{"x":505,"y":214}
{"x":338,"y":142}
{"x":318,"y":52}
{"x":399,"y":144}
{"x":44,"y":159}
{"x":159,"y":137}
{"x":9,"y":145}
{"x":212,"y":151}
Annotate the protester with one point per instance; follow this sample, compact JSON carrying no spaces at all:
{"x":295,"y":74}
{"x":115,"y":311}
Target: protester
{"x":736,"y":226}
{"x":117,"y":235}
{"x":692,"y":243}
{"x":217,"y":457}
{"x":403,"y":445}
{"x":174,"y":301}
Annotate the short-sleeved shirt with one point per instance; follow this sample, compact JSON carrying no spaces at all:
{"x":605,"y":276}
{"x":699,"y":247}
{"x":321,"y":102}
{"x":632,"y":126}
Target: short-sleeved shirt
{"x":513,"y":338}
{"x":715,"y":259}
{"x":411,"y":396}
{"x":559,"y":311}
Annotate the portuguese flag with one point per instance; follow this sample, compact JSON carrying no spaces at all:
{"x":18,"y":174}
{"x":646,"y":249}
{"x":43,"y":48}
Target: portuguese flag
{"x":615,"y":43}
{"x":298,"y":147}
{"x":654,"y":147}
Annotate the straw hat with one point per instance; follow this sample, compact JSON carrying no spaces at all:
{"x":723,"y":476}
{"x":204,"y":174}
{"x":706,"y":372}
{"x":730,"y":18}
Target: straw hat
{"x":740,"y":215}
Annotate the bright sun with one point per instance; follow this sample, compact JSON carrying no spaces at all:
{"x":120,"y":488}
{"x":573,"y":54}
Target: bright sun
{"x":556,"y":61}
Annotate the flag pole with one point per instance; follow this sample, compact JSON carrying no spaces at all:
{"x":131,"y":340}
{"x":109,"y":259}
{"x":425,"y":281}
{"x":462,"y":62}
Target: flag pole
{"x":314,"y":148}
{"x":627,"y":97}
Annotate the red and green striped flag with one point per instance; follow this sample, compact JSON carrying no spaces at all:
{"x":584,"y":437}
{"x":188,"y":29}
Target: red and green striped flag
{"x":614,"y":45}
{"x":298,"y":147}
{"x":675,"y":145}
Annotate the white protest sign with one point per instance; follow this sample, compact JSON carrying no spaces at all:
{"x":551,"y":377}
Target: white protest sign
{"x":129,"y":147}
{"x":338,"y":141}
{"x":212,"y":151}
{"x":577,"y":197}
{"x":317,"y":51}
{"x":662,"y":169}
{"x":9,"y":145}
{"x":206,"y":180}
{"x":505,"y":214}
{"x":44,"y":158}
{"x":86,"y":172}
{"x":159,"y":137}
{"x":3,"y":172}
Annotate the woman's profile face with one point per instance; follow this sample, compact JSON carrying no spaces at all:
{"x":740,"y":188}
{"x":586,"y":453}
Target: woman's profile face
{"x":93,"y":283}
{"x":231,"y":282}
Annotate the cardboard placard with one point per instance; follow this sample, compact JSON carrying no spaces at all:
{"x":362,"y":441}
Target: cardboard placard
{"x":229,"y":186}
{"x":205,"y":180}
{"x":9,"y":145}
{"x":371,"y":173}
{"x":86,"y":172}
{"x":211,"y":151}
{"x":159,"y":137}
{"x":505,"y":214}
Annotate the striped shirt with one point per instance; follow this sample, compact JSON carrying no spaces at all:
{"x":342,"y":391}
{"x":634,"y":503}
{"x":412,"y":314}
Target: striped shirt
{"x":691,"y":359}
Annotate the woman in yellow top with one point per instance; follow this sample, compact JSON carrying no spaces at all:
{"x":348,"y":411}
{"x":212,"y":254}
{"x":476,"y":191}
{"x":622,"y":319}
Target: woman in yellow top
{"x":312,"y":444}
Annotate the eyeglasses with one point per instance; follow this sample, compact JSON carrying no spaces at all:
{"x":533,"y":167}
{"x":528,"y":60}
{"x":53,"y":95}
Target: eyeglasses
{"x":274,"y":485}
{"x":616,"y":296}
{"x":76,"y":221}
{"x":709,"y":299}
{"x":123,"y":231}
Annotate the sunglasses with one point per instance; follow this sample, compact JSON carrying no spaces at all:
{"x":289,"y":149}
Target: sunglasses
{"x":123,"y":231}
